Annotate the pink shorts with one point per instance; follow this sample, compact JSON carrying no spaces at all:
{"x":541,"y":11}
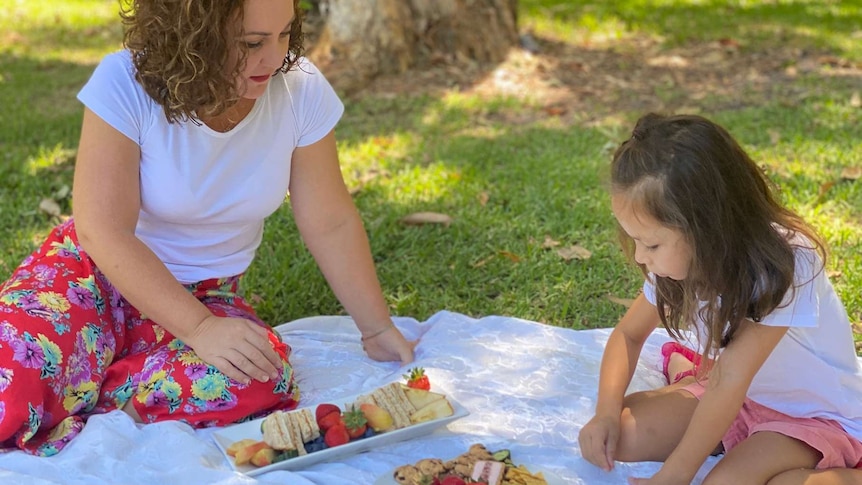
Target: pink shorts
{"x":837,"y":447}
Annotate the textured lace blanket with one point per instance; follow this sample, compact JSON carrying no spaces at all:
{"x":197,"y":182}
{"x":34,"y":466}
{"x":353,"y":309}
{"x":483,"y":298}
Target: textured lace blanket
{"x":528,"y":387}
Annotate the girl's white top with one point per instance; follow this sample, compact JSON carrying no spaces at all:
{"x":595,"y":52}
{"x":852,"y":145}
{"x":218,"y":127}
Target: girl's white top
{"x":813,"y":371}
{"x":205,"y":194}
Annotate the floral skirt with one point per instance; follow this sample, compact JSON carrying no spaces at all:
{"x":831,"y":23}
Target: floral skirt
{"x":71,"y":346}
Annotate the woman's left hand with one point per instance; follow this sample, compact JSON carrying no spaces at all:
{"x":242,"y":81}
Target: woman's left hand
{"x":390,"y":346}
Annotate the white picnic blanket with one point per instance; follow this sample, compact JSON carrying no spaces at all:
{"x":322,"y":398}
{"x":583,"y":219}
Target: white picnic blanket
{"x":528,"y":387}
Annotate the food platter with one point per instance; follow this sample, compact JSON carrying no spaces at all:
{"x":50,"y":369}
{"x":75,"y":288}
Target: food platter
{"x":252,"y":430}
{"x":551,"y":478}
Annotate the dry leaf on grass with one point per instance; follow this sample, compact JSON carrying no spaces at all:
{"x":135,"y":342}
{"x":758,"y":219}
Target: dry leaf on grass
{"x":774,"y":136}
{"x":506,"y":254}
{"x":422,"y":218}
{"x":483,"y":198}
{"x":483,"y":261}
{"x":549,"y":243}
{"x":626,"y":302}
{"x":855,"y":100}
{"x":50,"y":207}
{"x":851,"y":173}
{"x":824,"y":188}
{"x":511,"y":256}
{"x":574,"y":252}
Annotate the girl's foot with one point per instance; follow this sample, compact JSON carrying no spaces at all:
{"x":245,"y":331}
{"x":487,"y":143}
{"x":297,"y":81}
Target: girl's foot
{"x":678,"y":361}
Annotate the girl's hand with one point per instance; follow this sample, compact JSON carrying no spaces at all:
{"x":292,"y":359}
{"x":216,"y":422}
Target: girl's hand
{"x":389,"y":346}
{"x":598,"y":440}
{"x":238,"y":348}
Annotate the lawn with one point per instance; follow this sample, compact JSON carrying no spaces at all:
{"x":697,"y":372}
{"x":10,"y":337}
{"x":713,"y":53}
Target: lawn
{"x":515,"y":154}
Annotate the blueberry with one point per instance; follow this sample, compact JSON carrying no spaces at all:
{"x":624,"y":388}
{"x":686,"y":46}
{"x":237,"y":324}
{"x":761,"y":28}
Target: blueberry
{"x":316,"y":444}
{"x":368,"y":433}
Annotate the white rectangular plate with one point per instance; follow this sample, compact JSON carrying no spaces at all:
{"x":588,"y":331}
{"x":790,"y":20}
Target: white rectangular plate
{"x":251,"y":429}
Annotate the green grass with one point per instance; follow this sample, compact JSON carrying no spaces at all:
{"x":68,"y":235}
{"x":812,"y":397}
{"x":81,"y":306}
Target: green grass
{"x":507,"y":184}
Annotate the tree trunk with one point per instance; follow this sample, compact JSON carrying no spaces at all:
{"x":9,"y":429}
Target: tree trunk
{"x":361,"y":39}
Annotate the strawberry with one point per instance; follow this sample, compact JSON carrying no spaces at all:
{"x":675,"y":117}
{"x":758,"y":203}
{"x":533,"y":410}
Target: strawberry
{"x":417,"y":379}
{"x":355,"y":422}
{"x":330,"y":420}
{"x":336,"y":435}
{"x":324,"y":409}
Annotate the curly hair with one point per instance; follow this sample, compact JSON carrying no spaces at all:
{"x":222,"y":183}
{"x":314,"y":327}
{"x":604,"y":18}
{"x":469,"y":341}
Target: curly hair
{"x":180,"y":47}
{"x":691,"y":175}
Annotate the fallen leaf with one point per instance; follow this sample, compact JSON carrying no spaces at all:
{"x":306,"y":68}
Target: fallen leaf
{"x":512,"y":256}
{"x":728,"y":42}
{"x":851,"y":173}
{"x":483,"y":261}
{"x":774,"y":136}
{"x":574,"y":252}
{"x":549,"y":243}
{"x":855,"y":100}
{"x":422,"y":218}
{"x":626,"y":302}
{"x":255,"y":298}
{"x":834,"y":275}
{"x":63,"y":192}
{"x":555,"y":110}
{"x":483,"y":198}
{"x":50,"y":207}
{"x":824,"y":188}
{"x":857,"y":327}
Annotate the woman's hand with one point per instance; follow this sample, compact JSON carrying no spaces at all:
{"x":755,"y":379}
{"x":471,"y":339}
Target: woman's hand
{"x":238,"y":348}
{"x":389,"y":345}
{"x":598,"y":440}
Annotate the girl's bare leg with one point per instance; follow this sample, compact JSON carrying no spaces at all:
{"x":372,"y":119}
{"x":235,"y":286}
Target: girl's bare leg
{"x":831,"y":476}
{"x":653,"y":423}
{"x":762,"y":457}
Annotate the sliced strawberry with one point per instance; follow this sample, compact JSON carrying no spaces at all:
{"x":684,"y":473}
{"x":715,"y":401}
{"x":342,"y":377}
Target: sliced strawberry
{"x":330,"y":420}
{"x":336,"y":436}
{"x":324,"y":409}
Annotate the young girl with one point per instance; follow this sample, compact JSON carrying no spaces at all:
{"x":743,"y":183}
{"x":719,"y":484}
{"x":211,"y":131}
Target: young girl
{"x":779,"y":388}
{"x":191,"y":137}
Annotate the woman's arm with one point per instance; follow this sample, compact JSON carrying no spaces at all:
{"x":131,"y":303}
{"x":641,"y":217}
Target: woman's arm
{"x":725,"y":392}
{"x":107,"y":201}
{"x":334,"y":234}
{"x":599,"y":437}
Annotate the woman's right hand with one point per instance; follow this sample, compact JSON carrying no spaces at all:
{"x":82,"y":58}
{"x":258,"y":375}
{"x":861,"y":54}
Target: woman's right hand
{"x":237,"y":347}
{"x":598,"y":440}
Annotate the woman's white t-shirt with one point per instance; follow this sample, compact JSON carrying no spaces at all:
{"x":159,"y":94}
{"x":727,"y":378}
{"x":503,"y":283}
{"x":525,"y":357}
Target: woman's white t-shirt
{"x":205,"y":194}
{"x":813,"y":371}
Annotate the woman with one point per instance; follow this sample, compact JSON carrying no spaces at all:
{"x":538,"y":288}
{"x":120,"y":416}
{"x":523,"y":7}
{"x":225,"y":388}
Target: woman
{"x":191,"y":137}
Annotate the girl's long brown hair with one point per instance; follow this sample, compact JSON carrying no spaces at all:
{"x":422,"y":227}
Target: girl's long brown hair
{"x":182,"y":51}
{"x":691,"y":175}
